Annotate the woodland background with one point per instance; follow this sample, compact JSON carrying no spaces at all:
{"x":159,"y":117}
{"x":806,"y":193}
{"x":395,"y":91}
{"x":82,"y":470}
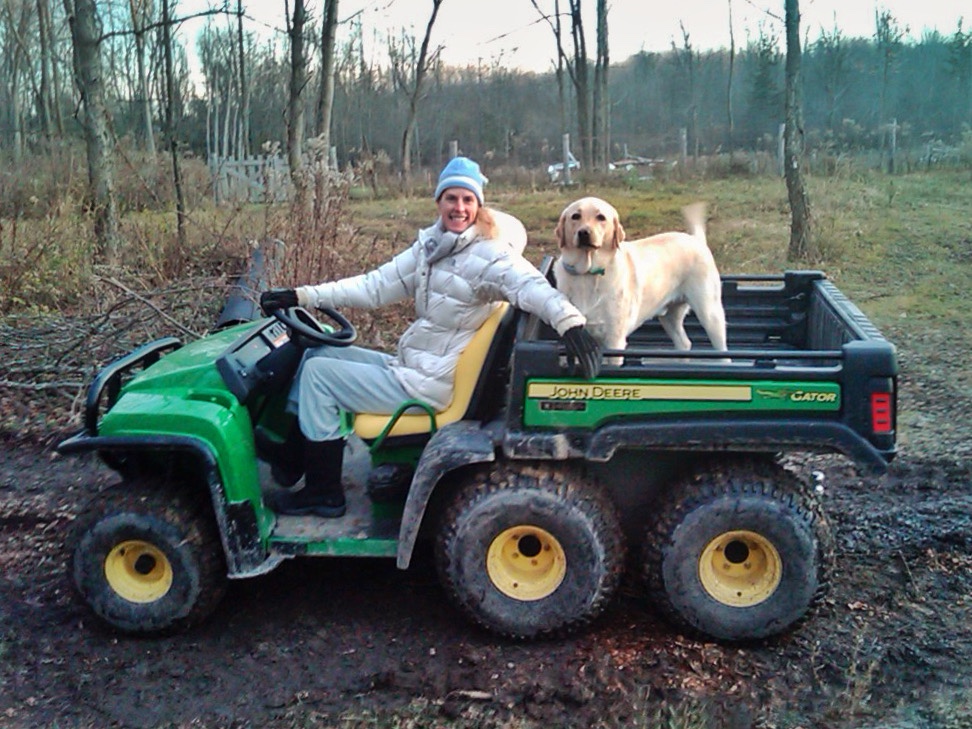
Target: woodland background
{"x":651,"y":105}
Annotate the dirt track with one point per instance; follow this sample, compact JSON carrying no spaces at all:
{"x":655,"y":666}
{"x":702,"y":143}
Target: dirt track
{"x":321,"y":639}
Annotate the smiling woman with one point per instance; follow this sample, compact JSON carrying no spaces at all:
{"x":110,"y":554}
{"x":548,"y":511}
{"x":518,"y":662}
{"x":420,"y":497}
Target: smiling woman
{"x":457,"y":272}
{"x":459,"y":194}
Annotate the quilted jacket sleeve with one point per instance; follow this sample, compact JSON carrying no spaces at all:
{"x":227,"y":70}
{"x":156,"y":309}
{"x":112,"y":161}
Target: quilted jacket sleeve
{"x":389,"y":283}
{"x":518,"y":281}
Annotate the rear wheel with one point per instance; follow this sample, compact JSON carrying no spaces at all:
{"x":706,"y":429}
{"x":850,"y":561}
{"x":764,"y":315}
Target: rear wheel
{"x":739,"y":551}
{"x":148,"y":558}
{"x":527,"y":551}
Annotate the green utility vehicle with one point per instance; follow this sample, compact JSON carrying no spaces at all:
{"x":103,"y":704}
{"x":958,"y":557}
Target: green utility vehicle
{"x":534,"y":486}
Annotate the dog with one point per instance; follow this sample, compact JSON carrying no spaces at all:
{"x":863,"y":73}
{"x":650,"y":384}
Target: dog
{"x":619,"y":284}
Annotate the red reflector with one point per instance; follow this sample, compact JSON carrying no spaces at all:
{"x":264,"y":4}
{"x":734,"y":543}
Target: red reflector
{"x":882,"y":419}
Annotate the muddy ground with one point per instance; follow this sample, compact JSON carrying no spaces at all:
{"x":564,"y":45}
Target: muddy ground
{"x":358,"y":643}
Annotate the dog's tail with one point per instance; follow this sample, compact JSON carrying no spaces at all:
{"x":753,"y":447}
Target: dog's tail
{"x":695,"y":219}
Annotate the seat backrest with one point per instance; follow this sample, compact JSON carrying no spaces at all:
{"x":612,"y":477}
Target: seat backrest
{"x":469,"y":369}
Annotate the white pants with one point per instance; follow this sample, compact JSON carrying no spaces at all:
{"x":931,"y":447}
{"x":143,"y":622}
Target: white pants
{"x":332,"y":379}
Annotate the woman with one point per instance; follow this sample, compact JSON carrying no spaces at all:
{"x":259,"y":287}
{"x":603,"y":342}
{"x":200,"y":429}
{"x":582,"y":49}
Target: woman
{"x":456,"y":271}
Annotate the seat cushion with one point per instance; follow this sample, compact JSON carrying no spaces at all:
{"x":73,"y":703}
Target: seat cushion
{"x":368,"y":426}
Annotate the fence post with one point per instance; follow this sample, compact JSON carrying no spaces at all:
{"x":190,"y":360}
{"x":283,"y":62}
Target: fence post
{"x":566,"y":171}
{"x":893,"y":146}
{"x":453,"y":148}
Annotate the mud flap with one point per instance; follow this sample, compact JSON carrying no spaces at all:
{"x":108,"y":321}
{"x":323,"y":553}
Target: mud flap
{"x":454,"y":445}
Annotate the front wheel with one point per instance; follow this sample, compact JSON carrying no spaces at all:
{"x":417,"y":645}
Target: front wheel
{"x":738,"y":551}
{"x":148,"y":559}
{"x":527,"y":551}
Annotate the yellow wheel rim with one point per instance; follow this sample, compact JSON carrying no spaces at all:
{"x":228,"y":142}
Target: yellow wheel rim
{"x":138,"y":571}
{"x":740,"y":568}
{"x":526,"y":563}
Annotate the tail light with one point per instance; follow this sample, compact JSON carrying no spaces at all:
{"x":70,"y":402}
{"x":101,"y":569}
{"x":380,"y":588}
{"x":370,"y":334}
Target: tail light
{"x":882,"y":413}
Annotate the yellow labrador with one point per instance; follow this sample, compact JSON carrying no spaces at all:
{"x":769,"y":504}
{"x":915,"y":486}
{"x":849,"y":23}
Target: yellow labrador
{"x":619,"y":284}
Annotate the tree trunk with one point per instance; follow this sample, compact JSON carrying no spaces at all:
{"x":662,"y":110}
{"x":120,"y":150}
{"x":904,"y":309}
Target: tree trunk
{"x":295,"y":110}
{"x":245,"y":145}
{"x":325,"y":102}
{"x":55,"y":79}
{"x":582,"y":86}
{"x":138,"y":25}
{"x":86,"y":36}
{"x":171,"y":123}
{"x":800,"y":223}
{"x":602,"y":103}
{"x":561,"y":71}
{"x":732,"y":64}
{"x":44,"y":97}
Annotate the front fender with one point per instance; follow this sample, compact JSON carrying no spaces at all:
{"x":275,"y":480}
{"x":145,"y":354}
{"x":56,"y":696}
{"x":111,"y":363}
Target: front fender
{"x":213,"y":417}
{"x":454,"y":445}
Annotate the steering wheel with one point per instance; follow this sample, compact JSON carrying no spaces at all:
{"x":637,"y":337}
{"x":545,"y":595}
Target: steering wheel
{"x":301,"y":322}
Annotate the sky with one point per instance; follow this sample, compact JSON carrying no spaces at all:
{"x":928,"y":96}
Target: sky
{"x":509,"y":32}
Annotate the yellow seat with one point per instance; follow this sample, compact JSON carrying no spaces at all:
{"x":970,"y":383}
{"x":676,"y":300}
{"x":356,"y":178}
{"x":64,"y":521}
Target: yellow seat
{"x":369,"y":426}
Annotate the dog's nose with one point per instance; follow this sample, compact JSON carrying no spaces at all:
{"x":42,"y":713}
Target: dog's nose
{"x":584,"y":239}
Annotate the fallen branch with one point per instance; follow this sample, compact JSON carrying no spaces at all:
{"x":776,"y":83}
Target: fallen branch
{"x":38,"y":386}
{"x":156,"y":309}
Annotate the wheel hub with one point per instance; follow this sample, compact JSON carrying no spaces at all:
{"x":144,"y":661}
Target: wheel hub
{"x":526,"y":563}
{"x":138,"y":571}
{"x":740,"y":568}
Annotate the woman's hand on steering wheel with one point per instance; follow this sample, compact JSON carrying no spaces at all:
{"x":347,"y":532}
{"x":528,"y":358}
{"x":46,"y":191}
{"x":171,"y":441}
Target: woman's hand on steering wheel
{"x":271,"y":301}
{"x":301,"y":323}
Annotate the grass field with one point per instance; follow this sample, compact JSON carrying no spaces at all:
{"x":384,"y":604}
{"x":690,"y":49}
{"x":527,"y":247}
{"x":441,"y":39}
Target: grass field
{"x":900,"y":246}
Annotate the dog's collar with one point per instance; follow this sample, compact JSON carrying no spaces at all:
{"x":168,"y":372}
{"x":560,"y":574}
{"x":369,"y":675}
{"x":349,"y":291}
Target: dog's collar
{"x":572,"y":270}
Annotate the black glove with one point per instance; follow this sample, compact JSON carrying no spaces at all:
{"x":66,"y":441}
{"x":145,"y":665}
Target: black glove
{"x":582,"y":346}
{"x":275,"y":299}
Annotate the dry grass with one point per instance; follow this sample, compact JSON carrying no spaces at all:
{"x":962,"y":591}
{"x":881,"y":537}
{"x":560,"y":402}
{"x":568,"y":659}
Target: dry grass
{"x":901,"y":247}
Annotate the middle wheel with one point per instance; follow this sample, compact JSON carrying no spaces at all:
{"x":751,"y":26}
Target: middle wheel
{"x":528,"y":550}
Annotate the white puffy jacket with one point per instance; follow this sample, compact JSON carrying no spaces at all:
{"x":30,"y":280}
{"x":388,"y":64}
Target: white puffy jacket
{"x":455,"y":281}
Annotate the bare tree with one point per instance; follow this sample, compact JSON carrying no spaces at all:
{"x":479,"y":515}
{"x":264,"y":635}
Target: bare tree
{"x":409,"y":72}
{"x":244,"y":88}
{"x":685,"y":62}
{"x":601,"y":121}
{"x":295,"y":107}
{"x":556,"y":27}
{"x":833,"y":71}
{"x":580,"y":75}
{"x":960,"y":67}
{"x":325,"y":100}
{"x":793,"y":141}
{"x":170,"y":123}
{"x":218,"y":51}
{"x":16,"y":19}
{"x":47,"y":107}
{"x":888,"y":37}
{"x":591,"y":99}
{"x":732,"y":64}
{"x":141,"y":11}
{"x":89,"y":76}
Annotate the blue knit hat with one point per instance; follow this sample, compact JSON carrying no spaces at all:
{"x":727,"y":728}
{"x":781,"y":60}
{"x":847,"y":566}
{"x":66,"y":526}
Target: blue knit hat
{"x":462,"y":172}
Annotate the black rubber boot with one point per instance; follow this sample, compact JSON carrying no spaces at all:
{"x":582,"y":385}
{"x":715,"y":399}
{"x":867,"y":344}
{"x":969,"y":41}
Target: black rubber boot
{"x":323,"y":494}
{"x":286,"y":457}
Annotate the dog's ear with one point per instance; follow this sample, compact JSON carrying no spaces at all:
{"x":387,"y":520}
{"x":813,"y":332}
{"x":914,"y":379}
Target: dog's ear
{"x":559,"y":230}
{"x":618,"y":232}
